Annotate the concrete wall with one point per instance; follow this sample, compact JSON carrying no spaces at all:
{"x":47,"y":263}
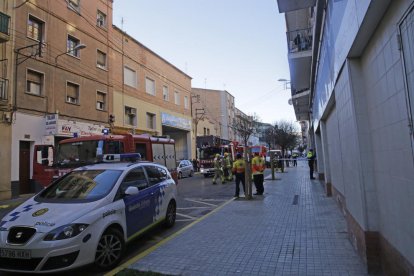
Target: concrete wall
{"x":392,"y":154}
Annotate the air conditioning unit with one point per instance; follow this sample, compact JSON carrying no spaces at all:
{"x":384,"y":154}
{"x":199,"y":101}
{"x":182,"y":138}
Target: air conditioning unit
{"x":132,"y":113}
{"x":71,"y":100}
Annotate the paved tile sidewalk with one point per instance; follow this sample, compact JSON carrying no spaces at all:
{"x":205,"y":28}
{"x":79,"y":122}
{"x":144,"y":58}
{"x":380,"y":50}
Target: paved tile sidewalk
{"x":292,"y":230}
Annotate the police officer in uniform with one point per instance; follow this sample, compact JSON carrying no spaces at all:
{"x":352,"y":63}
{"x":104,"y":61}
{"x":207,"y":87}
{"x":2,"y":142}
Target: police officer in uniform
{"x":311,"y":161}
{"x":239,"y":168}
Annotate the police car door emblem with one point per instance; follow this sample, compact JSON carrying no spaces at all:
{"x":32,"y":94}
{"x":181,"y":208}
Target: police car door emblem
{"x":19,"y":235}
{"x":40,"y":212}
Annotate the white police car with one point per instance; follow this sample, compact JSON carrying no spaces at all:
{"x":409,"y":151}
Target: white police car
{"x":86,"y":217}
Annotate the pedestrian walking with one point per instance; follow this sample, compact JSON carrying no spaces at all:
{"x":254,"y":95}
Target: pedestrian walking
{"x":257,"y":170}
{"x":218,"y":169}
{"x":311,"y":160}
{"x":239,"y":168}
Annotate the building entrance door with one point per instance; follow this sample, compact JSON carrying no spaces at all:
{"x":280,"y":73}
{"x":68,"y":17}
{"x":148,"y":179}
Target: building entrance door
{"x":24,"y":168}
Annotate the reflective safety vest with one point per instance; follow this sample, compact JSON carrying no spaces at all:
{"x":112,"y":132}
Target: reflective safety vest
{"x":226,"y":162}
{"x":309,"y":155}
{"x":217,"y":163}
{"x":257,"y":165}
{"x":239,"y":166}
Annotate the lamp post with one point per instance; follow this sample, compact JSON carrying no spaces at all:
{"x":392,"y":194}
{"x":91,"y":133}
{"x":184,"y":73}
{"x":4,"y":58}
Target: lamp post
{"x":77,"y":47}
{"x":285,"y":83}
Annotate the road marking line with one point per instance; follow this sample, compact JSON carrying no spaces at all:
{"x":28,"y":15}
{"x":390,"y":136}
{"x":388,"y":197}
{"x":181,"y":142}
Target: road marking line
{"x":149,"y":250}
{"x":195,"y":207}
{"x":4,"y":206}
{"x":186,"y":216}
{"x":196,"y":201}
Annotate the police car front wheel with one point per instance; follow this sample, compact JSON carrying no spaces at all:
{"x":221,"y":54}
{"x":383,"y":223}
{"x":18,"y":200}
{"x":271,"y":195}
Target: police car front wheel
{"x":110,"y":250}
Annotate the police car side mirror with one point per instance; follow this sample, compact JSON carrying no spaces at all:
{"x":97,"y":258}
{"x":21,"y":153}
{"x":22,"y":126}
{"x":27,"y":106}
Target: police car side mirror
{"x":131,"y":190}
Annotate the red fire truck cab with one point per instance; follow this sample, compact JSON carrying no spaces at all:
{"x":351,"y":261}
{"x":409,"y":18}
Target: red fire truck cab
{"x":75,"y":152}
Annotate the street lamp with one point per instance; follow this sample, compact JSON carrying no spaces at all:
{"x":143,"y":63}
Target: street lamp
{"x":285,"y":82}
{"x":77,"y":47}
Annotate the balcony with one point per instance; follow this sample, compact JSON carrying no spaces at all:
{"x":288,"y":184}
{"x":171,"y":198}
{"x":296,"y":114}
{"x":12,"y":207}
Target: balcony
{"x":4,"y":27}
{"x":299,"y":40}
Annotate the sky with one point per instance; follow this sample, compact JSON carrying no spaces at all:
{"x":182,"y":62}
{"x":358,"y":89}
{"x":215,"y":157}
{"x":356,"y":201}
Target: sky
{"x":233,"y":45}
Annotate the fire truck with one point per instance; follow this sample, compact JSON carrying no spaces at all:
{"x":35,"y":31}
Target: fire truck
{"x":72,"y":153}
{"x":207,"y":148}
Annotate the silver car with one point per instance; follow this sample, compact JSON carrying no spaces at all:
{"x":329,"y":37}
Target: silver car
{"x":185,"y":168}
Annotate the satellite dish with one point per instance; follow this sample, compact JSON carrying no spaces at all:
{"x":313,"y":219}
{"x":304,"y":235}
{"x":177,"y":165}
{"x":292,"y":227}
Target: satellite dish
{"x":290,"y":102}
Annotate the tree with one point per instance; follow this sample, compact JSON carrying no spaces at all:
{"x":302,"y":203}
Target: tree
{"x":269,"y":137}
{"x":286,"y":135}
{"x":245,"y":126}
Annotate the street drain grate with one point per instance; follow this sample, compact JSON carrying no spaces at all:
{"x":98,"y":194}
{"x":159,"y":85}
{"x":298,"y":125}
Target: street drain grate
{"x":295,"y":200}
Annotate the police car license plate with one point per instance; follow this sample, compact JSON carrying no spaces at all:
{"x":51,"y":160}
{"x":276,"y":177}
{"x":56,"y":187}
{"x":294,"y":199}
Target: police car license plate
{"x":15,"y":253}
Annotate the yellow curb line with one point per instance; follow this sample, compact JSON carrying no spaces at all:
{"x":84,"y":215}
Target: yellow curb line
{"x":4,"y":206}
{"x":151,"y":249}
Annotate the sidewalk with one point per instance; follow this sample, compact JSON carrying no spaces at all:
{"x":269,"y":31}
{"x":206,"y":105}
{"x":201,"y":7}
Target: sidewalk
{"x":294,"y":229}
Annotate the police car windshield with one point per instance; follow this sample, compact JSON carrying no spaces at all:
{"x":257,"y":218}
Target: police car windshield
{"x":82,"y":186}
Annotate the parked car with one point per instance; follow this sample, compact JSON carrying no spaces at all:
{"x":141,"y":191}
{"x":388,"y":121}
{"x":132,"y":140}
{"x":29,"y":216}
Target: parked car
{"x":185,"y":168}
{"x":86,"y":217}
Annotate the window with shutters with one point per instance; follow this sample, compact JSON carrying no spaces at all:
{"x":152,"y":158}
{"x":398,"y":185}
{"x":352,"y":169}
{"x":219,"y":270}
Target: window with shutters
{"x":100,"y":100}
{"x":165,"y":93}
{"x":71,"y":45}
{"x":35,"y":28}
{"x":130,"y":77}
{"x":74,"y":5}
{"x":100,"y":59}
{"x":176,"y":98}
{"x":72,"y":93}
{"x":186,"y":102}
{"x":150,"y":121}
{"x":34,"y":82}
{"x":150,"y":86}
{"x":101,"y":19}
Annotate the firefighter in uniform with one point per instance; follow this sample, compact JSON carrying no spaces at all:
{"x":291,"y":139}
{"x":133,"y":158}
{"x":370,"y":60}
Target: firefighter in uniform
{"x":218,"y":171}
{"x":227,"y":167}
{"x":257,"y":171}
{"x":239,"y":168}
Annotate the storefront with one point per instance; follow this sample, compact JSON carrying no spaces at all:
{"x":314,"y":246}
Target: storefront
{"x":179,"y":129}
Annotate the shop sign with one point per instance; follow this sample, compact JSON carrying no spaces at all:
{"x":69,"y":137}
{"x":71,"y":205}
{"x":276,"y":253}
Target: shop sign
{"x":51,"y":124}
{"x":173,"y":121}
{"x":77,"y":129}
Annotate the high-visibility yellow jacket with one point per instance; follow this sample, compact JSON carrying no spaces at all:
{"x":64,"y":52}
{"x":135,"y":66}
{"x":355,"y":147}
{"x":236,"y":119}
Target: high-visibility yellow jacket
{"x":257,"y":165}
{"x":239,"y":166}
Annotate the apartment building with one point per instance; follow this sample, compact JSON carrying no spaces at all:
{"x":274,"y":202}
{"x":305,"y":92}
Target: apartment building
{"x":218,"y":106}
{"x":150,"y":94}
{"x":72,"y":74}
{"x":351,"y":65}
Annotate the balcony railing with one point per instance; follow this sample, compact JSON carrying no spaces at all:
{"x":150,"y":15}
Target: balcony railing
{"x":3,"y":89}
{"x":4,"y":27}
{"x":299,"y":40}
